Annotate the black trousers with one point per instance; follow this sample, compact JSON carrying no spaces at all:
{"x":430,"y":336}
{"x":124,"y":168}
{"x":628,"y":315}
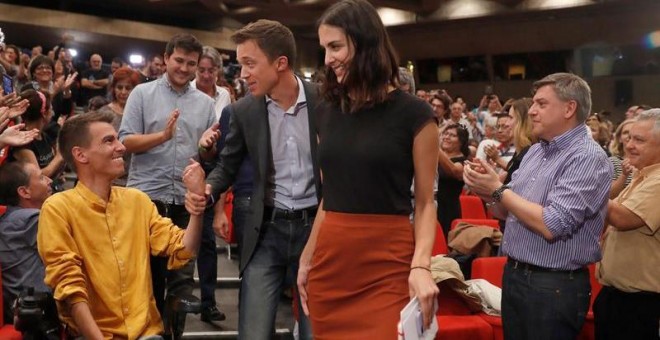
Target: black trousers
{"x":621,"y":315}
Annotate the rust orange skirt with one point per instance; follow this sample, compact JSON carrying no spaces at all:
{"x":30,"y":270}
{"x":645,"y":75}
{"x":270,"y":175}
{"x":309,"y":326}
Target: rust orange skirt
{"x":358,"y":282}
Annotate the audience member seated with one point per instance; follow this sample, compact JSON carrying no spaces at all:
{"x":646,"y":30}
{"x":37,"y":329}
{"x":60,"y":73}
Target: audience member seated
{"x":95,"y":239}
{"x":628,"y":305}
{"x":23,"y":188}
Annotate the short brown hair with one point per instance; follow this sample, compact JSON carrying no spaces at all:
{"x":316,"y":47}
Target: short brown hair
{"x":75,"y":132}
{"x":273,"y":38}
{"x":184,"y":41}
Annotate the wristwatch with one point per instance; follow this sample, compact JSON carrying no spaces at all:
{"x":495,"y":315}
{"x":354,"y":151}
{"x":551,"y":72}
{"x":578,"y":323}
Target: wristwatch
{"x":497,"y":194}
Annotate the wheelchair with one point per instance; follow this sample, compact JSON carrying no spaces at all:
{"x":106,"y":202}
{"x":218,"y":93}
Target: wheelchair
{"x":38,"y":319}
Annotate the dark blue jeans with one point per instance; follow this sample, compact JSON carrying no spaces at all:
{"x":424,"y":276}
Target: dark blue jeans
{"x":543,"y":304}
{"x":280,"y":244}
{"x":207,"y":262}
{"x":239,"y":214}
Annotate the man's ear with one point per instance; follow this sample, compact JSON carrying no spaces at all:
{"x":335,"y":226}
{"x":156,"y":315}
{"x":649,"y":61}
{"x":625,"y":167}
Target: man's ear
{"x":282,"y":63}
{"x":24,"y":192}
{"x":571,"y":109}
{"x":79,"y":155}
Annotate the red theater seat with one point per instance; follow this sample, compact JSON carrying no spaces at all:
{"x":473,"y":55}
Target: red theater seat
{"x":7,"y":332}
{"x":490,"y":269}
{"x":456,"y":322}
{"x":440,"y":244}
{"x":588,"y":329}
{"x":472,"y":207}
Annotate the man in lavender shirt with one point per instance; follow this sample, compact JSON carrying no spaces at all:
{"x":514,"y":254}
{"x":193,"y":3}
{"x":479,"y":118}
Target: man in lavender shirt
{"x":555,"y":208}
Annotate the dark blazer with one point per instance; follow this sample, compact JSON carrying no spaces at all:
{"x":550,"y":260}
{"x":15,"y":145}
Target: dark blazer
{"x":249,"y":134}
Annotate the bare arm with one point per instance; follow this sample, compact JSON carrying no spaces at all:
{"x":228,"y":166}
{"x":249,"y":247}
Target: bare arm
{"x":449,"y":167}
{"x":137,"y":143}
{"x":193,"y":178}
{"x":420,"y":282}
{"x":622,"y":218}
{"x":83,"y":318}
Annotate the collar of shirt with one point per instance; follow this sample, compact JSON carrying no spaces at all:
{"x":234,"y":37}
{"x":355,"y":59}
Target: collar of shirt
{"x":649,"y":170}
{"x":564,"y":140}
{"x":301,"y":101}
{"x":90,"y":196}
{"x":164,"y":80}
{"x":193,"y":84}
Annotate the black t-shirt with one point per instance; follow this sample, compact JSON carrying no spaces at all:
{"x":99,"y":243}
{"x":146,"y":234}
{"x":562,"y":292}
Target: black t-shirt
{"x":367,"y":157}
{"x":85,"y":93}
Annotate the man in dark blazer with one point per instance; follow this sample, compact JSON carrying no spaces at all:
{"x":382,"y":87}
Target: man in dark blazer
{"x":275,"y":126}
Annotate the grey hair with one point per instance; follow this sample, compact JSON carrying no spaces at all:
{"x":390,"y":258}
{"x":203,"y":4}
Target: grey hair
{"x":569,"y":87}
{"x":213,"y":54}
{"x":652,"y":115}
{"x":405,"y":77}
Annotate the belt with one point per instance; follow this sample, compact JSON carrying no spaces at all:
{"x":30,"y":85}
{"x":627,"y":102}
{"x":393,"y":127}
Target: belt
{"x":534,"y":268}
{"x":166,"y":208}
{"x":286,"y":214}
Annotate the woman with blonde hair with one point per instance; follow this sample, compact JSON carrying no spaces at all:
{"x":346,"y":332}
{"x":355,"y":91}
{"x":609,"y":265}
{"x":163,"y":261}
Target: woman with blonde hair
{"x":522,"y":134}
{"x":622,"y":175}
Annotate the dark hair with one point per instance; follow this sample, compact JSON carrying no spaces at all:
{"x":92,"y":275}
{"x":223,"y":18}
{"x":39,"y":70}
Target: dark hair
{"x":445,"y":99}
{"x":34,"y":111}
{"x":273,"y":38}
{"x":17,"y":51}
{"x":12,"y":176}
{"x":374,"y":65}
{"x":124,"y":73}
{"x":75,"y":132}
{"x":118,"y":60}
{"x":40,"y":60}
{"x":463,"y":137}
{"x":184,"y":41}
{"x":96,"y":103}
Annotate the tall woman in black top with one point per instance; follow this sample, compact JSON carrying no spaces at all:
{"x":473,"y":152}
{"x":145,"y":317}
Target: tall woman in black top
{"x":364,"y":260}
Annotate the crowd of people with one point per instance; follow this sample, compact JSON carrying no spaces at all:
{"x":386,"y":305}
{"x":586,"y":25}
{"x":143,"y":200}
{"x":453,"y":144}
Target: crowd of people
{"x":322,"y":175}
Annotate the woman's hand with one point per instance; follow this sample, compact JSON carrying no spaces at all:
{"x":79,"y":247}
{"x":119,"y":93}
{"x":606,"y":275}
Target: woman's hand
{"x":303,"y":270}
{"x":422,"y":285}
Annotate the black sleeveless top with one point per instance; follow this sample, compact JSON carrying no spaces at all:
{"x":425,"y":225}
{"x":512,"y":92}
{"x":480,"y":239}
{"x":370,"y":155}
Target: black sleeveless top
{"x":366,"y":157}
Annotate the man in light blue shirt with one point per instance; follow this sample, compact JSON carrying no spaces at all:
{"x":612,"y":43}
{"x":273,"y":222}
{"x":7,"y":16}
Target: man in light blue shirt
{"x":163,"y":122}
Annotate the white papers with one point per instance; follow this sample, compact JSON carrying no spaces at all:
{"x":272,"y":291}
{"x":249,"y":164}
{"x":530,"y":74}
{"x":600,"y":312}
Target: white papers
{"x":411,"y":324}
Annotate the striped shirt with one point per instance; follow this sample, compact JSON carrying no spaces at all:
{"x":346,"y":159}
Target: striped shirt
{"x":570,"y":178}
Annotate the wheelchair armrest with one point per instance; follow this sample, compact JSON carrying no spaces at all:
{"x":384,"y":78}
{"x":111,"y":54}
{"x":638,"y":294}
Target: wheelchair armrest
{"x":186,"y":304}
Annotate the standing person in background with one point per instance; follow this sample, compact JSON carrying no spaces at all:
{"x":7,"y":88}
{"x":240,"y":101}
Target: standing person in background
{"x":163,"y":122}
{"x":622,"y":168}
{"x":555,"y":207}
{"x":208,"y":70}
{"x":628,"y":305}
{"x":153,"y":69}
{"x":522,"y":134}
{"x":454,"y":151}
{"x":94,"y":81}
{"x":41,"y":151}
{"x":364,"y":260}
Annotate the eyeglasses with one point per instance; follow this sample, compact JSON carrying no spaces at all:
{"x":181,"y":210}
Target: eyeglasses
{"x":43,"y":68}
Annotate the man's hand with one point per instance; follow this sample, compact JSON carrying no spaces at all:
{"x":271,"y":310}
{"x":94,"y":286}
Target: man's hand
{"x":626,"y":168}
{"x":221,"y":224}
{"x":492,"y":152}
{"x":210,"y":137}
{"x":170,"y":128}
{"x":481,"y":177}
{"x":13,"y":135}
{"x":193,"y":178}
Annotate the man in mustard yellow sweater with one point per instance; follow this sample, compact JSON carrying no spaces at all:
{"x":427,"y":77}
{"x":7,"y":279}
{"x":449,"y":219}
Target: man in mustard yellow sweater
{"x":95,"y":240}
